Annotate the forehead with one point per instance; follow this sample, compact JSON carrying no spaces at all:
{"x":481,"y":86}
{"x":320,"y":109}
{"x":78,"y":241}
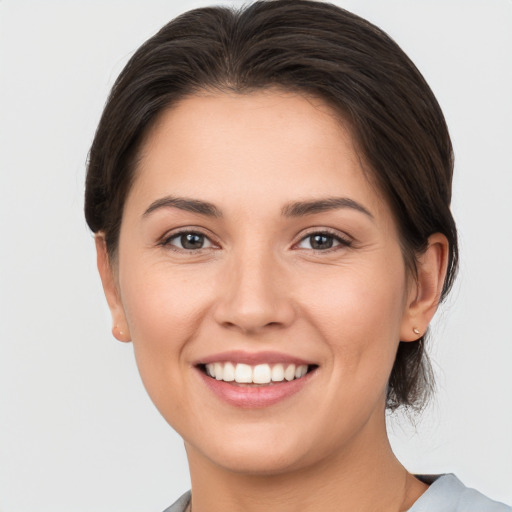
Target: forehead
{"x":223,"y":120}
{"x":264,"y":146}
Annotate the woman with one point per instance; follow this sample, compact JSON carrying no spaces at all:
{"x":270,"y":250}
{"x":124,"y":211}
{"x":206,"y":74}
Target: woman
{"x":270,"y":193}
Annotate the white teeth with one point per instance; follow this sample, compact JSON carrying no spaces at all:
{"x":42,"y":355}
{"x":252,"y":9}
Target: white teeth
{"x":261,"y":374}
{"x":219,"y":371}
{"x":289,"y":373}
{"x":258,"y":374}
{"x":277,"y":373}
{"x":210,"y":370}
{"x":301,"y":371}
{"x":243,"y":373}
{"x":229,"y":372}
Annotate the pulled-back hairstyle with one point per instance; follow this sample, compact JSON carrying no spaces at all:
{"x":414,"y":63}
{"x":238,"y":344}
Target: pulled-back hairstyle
{"x":315,"y":49}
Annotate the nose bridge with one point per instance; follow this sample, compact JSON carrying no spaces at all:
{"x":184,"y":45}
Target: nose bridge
{"x":253,"y":292}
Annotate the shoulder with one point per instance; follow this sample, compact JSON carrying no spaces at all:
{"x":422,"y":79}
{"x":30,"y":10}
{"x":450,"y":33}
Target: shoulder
{"x":448,"y":494}
{"x":180,"y":505}
{"x":445,"y":494}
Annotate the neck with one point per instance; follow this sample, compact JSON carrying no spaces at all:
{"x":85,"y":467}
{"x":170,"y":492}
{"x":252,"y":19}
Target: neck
{"x":355,"y":478}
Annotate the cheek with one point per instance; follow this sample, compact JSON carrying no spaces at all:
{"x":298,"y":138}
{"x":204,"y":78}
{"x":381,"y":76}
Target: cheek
{"x":160,"y":302}
{"x":359,"y":313}
{"x":163,"y":310}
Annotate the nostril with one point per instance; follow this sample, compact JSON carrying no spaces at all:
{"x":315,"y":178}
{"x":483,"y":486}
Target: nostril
{"x":253,"y":307}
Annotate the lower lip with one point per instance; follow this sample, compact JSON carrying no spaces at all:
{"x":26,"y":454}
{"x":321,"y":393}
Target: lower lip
{"x":253,"y":397}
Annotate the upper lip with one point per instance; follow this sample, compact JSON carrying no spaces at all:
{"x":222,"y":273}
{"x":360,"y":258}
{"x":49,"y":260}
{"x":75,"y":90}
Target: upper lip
{"x":252,"y":358}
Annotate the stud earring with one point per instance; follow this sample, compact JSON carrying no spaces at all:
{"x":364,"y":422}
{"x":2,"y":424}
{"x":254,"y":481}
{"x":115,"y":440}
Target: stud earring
{"x":118,"y":334}
{"x":415,"y":330}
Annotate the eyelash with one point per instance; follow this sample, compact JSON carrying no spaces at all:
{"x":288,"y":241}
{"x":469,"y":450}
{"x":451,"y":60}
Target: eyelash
{"x":335,"y":236}
{"x":167,"y":241}
{"x":341,"y":241}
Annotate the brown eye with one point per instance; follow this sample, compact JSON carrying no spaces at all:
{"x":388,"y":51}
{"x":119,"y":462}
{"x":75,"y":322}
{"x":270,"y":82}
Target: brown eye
{"x":322,"y":242}
{"x":192,"y":241}
{"x":189,"y":241}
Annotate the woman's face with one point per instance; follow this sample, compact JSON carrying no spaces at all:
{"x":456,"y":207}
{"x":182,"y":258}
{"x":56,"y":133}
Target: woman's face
{"x":253,"y":246}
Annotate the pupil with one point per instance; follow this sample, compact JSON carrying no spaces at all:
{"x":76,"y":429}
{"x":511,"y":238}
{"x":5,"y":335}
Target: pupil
{"x":321,"y":242}
{"x":192,"y":241}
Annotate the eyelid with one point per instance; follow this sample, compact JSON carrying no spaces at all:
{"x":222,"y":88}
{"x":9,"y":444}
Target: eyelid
{"x":164,"y":241}
{"x":343,"y":239}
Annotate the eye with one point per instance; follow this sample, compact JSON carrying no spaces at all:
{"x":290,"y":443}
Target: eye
{"x":188,"y":241}
{"x":322,"y":241}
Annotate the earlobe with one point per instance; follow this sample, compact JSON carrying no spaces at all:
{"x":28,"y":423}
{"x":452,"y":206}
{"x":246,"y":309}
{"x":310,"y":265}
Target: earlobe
{"x":120,"y":329}
{"x":425,"y":295}
{"x":120,"y":335}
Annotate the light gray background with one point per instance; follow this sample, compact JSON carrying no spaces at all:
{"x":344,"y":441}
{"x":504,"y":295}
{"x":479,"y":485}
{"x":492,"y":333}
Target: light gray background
{"x":77,"y":431}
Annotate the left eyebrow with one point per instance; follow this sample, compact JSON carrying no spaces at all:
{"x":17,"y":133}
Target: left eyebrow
{"x":302,"y":208}
{"x":186,"y":204}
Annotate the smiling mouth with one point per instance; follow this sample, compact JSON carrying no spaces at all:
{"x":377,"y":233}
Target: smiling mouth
{"x":256,"y":375}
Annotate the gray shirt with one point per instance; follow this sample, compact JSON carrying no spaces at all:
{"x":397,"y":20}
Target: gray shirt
{"x":448,"y":494}
{"x":445,"y":494}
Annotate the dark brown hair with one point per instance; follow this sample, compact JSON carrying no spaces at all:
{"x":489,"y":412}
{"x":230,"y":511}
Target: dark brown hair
{"x":312,"y":48}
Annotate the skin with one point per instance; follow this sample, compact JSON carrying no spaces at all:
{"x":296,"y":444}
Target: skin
{"x":259,"y":285}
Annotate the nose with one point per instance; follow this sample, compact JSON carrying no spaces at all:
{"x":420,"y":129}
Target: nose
{"x":254,"y":295}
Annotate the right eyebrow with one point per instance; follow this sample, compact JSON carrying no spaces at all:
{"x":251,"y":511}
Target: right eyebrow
{"x":184,"y":203}
{"x":303,"y":208}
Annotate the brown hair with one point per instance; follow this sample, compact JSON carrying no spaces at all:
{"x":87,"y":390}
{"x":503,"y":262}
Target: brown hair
{"x":313,"y":48}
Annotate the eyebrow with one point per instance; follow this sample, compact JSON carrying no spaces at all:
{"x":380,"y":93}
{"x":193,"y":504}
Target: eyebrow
{"x":186,"y":204}
{"x":302,"y":208}
{"x":294,"y":209}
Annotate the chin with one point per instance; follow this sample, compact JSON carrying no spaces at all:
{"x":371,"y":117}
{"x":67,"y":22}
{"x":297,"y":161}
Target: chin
{"x":260,"y":450}
{"x":255,"y":461}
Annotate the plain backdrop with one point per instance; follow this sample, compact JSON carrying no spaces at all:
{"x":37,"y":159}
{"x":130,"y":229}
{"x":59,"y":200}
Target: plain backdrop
{"x":77,"y":431}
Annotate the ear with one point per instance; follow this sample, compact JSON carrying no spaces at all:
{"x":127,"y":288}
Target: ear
{"x":120,"y":325}
{"x":425,"y":292}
